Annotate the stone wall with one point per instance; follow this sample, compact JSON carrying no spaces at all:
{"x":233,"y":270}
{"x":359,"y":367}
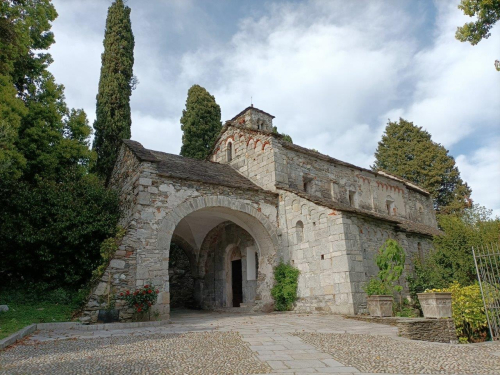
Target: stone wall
{"x":335,"y":253}
{"x":363,"y":239}
{"x":351,"y":185}
{"x":317,"y":248}
{"x":181,"y":279}
{"x":434,"y":330}
{"x":225,"y":243}
{"x":252,"y":155}
{"x":152,"y":207}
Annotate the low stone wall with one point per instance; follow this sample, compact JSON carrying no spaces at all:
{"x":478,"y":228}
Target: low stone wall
{"x":433,"y":330}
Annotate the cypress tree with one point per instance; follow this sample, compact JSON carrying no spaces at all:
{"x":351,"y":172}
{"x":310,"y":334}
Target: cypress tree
{"x":113,"y":119}
{"x":409,"y":152}
{"x":200,"y":123}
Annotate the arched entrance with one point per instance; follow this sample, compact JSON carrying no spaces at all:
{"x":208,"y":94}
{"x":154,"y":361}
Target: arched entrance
{"x":221,"y":231}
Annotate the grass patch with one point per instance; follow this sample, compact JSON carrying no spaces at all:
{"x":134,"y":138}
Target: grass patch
{"x":36,"y":303}
{"x":20,"y":316}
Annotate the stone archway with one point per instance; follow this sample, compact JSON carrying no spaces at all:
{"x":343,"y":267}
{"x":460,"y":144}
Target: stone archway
{"x":240,"y":212}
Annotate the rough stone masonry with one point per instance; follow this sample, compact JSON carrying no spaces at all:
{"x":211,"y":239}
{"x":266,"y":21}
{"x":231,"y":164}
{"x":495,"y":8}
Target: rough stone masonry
{"x":256,"y":201}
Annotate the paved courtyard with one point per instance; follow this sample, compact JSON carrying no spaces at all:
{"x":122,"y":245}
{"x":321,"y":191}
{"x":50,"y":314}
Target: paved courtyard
{"x":229,"y":343}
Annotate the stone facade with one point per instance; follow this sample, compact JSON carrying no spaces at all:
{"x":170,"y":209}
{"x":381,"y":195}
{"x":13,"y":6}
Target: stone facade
{"x":257,"y":201}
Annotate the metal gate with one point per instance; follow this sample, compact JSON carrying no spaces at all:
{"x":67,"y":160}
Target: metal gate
{"x":487,"y":260}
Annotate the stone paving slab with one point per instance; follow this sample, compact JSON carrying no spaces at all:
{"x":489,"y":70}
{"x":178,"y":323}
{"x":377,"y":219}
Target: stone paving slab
{"x":279,"y":342}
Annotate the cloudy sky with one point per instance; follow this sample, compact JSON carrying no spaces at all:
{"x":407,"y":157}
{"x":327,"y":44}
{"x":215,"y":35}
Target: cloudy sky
{"x":332,"y":72}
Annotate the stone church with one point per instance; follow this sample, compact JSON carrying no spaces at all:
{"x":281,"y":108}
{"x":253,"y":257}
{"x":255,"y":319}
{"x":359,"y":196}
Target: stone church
{"x":256,"y":201}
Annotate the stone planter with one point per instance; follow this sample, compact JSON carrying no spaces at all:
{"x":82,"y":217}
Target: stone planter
{"x":380,"y":305}
{"x":108,"y":316}
{"x":435,"y":305}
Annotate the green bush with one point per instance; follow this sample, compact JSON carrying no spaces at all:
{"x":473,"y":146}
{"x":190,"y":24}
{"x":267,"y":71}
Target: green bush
{"x":468,"y":311}
{"x":390,"y":261}
{"x":284,"y":291}
{"x":51,"y":232}
{"x":375,"y":287}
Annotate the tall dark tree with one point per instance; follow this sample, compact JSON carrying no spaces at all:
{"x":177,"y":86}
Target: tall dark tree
{"x":116,"y":83}
{"x":406,"y":150}
{"x":200,"y":123}
{"x":53,"y":213}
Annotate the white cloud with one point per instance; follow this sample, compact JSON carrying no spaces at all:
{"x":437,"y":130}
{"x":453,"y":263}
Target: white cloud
{"x":483,"y":168}
{"x":456,"y":93}
{"x":332,"y":72}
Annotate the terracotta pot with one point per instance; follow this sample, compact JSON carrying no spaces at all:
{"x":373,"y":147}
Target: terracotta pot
{"x":379,"y":305}
{"x":435,"y":305}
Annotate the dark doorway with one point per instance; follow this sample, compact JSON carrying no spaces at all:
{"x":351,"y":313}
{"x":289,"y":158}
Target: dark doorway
{"x":237,"y":282}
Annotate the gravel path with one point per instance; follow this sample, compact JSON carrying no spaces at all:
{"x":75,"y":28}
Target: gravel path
{"x":189,"y":353}
{"x":379,"y":354}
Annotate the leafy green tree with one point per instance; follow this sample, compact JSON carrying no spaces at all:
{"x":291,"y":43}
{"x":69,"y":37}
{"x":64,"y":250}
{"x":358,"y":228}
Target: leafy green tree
{"x":12,"y":110}
{"x":24,"y":28}
{"x":452,"y":260}
{"x":113,"y":120}
{"x":200,"y":123}
{"x":487,"y":13}
{"x":51,"y":232}
{"x":406,"y":150}
{"x":53,"y":213}
{"x":53,"y":139}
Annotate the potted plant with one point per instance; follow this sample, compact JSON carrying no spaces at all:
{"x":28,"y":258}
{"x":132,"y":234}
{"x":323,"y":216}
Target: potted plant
{"x":141,"y":300}
{"x":435,"y":304}
{"x":109,"y":314}
{"x":380,"y":289}
{"x":380,"y":299}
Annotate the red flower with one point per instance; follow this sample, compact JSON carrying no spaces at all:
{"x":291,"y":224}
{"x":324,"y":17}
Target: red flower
{"x":121,"y":294}
{"x":128,"y":292}
{"x":136,"y":292}
{"x":157,"y":291}
{"x":149,"y":291}
{"x":144,"y":292}
{"x":146,"y":286}
{"x":139,"y":309}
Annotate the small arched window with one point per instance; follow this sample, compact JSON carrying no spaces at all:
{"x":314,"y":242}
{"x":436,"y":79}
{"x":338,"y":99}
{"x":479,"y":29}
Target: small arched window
{"x":229,"y":152}
{"x":389,"y":205}
{"x":299,"y":231}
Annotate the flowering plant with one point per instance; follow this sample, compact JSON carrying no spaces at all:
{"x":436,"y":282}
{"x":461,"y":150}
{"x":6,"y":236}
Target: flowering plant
{"x":141,"y":299}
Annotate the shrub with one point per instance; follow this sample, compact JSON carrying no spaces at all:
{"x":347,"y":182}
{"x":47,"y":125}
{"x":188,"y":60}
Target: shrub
{"x":51,"y":232}
{"x":376,"y":287}
{"x":284,"y":291}
{"x":390,"y":261}
{"x":141,"y":299}
{"x":468,"y":311}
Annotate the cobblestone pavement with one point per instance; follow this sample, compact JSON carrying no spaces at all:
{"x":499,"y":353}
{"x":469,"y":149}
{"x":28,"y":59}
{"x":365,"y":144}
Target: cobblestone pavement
{"x":385,"y":355}
{"x":229,"y":343}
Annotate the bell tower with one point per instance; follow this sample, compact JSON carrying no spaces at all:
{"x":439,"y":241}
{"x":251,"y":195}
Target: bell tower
{"x":254,"y":118}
